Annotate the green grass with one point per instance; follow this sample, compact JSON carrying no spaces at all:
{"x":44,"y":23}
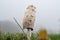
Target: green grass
{"x":18,"y":36}
{"x":54,"y":36}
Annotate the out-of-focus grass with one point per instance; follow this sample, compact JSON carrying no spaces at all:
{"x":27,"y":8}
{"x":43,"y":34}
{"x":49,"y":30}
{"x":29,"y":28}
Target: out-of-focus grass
{"x":54,"y":36}
{"x":11,"y":36}
{"x":18,"y":36}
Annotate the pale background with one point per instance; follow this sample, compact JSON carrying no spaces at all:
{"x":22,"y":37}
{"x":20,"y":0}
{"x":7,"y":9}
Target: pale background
{"x":47,"y":14}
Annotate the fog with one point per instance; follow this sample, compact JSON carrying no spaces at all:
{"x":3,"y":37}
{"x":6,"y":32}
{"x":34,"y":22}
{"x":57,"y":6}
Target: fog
{"x":47,"y":13}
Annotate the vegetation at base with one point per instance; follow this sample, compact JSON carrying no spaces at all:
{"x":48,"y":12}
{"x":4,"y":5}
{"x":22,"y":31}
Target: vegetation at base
{"x":54,"y":36}
{"x":18,"y":36}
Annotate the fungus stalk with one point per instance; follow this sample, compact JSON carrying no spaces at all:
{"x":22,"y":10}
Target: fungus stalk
{"x":29,"y":34}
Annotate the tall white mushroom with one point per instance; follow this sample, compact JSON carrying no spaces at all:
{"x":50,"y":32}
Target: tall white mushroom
{"x":29,"y":19}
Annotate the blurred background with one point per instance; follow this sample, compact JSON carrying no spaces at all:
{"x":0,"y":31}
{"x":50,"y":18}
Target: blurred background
{"x":47,"y":15}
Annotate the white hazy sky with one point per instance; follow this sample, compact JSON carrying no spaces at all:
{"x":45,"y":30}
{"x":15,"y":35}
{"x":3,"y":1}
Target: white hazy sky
{"x":47,"y":12}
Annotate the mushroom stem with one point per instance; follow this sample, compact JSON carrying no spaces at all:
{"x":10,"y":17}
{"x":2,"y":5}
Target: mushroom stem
{"x":29,"y":34}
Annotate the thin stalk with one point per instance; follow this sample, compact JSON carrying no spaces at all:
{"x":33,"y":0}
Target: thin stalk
{"x":18,"y":24}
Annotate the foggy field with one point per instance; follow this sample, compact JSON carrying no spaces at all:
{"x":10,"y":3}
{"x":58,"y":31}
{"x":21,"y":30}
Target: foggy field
{"x":41,"y":17}
{"x":18,"y":36}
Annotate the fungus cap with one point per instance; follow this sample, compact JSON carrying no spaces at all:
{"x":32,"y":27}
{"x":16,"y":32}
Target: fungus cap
{"x":29,"y":17}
